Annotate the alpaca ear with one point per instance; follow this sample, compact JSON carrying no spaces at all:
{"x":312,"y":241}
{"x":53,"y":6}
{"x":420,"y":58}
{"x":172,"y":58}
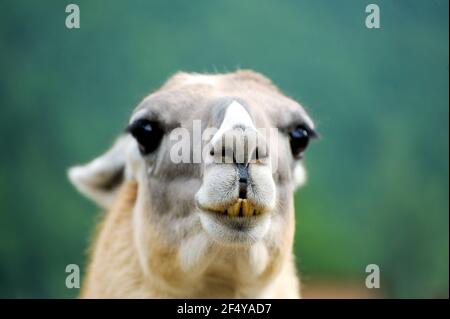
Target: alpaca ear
{"x":100,"y":179}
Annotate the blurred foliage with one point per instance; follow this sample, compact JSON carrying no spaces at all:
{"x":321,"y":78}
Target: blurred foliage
{"x":378,"y":179}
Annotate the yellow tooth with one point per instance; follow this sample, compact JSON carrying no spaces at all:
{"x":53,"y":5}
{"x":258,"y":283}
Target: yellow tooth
{"x":238,"y":206}
{"x":242,"y":208}
{"x":247,"y":208}
{"x":234,"y":210}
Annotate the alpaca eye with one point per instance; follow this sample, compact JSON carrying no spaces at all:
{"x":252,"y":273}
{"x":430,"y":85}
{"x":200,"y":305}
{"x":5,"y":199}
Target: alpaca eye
{"x":147,"y":133}
{"x":299,"y":139}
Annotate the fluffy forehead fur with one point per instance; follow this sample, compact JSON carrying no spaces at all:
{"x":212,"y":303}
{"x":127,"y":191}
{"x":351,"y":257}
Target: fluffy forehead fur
{"x":188,"y":96}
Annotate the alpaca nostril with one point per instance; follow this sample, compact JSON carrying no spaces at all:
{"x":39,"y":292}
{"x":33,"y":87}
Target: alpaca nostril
{"x":242,"y":190}
{"x":243,"y":180}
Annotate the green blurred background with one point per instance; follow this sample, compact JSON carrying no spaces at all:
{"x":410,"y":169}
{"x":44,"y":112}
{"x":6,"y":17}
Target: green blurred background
{"x":378,"y":179}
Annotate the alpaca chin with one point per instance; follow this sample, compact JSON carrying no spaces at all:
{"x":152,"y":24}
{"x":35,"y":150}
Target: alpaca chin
{"x":235,"y":231}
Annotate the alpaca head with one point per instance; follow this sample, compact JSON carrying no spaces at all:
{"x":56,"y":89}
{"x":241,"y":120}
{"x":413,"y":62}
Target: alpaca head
{"x":216,"y":157}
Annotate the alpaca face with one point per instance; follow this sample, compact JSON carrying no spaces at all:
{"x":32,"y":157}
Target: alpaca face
{"x":223,"y":149}
{"x":215,"y":156}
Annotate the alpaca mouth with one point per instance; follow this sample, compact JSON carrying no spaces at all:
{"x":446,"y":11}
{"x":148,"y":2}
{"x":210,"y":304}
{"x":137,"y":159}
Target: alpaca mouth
{"x":239,"y":223}
{"x":242,"y":208}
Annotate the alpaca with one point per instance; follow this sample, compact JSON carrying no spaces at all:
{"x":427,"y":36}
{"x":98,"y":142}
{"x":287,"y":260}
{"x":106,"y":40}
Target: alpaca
{"x":221,"y":227}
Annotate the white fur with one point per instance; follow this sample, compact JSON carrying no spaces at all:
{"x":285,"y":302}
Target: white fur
{"x":235,"y":114}
{"x":258,"y":258}
{"x":200,"y":79}
{"x":193,"y":252}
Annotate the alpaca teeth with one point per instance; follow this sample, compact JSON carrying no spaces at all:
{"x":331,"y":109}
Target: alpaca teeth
{"x":234,"y":210}
{"x":247,"y":208}
{"x":241,"y":208}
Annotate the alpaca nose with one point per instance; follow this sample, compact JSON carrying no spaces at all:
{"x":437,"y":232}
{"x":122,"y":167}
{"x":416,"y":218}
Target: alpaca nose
{"x":243,"y":179}
{"x":238,"y":146}
{"x":241,"y":147}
